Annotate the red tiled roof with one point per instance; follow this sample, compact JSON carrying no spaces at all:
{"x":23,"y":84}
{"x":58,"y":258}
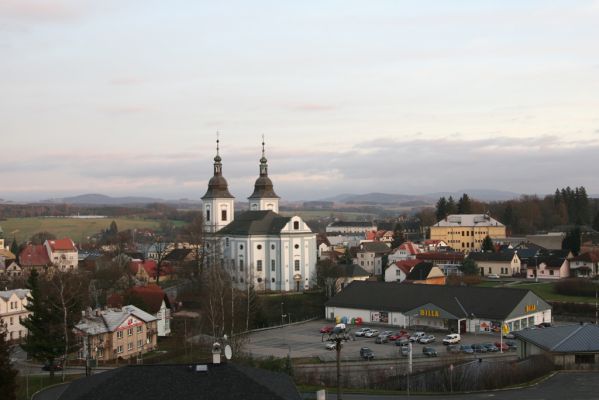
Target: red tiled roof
{"x":150,"y":267}
{"x":64,"y":244}
{"x":407,"y":265}
{"x":410,"y":248}
{"x":370,"y":235}
{"x":34,"y":255}
{"x":151,"y":296}
{"x":432,"y":241}
{"x":589,"y":256}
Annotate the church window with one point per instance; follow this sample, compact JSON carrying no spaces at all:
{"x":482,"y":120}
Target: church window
{"x":223,"y":215}
{"x":259,"y":247}
{"x":273,"y":265}
{"x":273,"y":280}
{"x":272,"y":246}
{"x":259,"y":265}
{"x":259,"y":280}
{"x":270,"y":206}
{"x":240,"y":247}
{"x":297,"y":265}
{"x":296,"y":246}
{"x":227,"y":242}
{"x":296,"y":225}
{"x":254,"y":206}
{"x":241,"y":265}
{"x":208,"y":215}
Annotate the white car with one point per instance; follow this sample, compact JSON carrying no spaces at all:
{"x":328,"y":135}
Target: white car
{"x":362,"y":331}
{"x":493,"y":276}
{"x":416,"y":335}
{"x":332,"y":346}
{"x":426,"y":339}
{"x":452,"y":338}
{"x":372,"y":333}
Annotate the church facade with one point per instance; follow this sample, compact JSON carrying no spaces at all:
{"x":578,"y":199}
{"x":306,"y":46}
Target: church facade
{"x":259,"y":247}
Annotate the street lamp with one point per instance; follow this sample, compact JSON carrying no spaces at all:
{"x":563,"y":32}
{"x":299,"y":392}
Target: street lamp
{"x":337,"y":336}
{"x":536,"y":268}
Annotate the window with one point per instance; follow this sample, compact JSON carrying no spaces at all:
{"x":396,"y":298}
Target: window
{"x":273,"y":265}
{"x":297,"y":265}
{"x":227,"y":242}
{"x":259,"y":280}
{"x":119,"y":349}
{"x":129,"y":331}
{"x":584,"y":358}
{"x":259,"y":247}
{"x":119,"y":335}
{"x":140,"y":343}
{"x":240,"y":247}
{"x":140,"y":329}
{"x":296,"y":225}
{"x":259,"y":265}
{"x":296,"y":246}
{"x":241,"y":265}
{"x":551,"y":272}
{"x":100,"y":352}
{"x":208,"y":215}
{"x":129,"y":346}
{"x":489,"y":269}
{"x":272,"y":246}
{"x":11,"y":321}
{"x":273,"y":280}
{"x":223,"y":215}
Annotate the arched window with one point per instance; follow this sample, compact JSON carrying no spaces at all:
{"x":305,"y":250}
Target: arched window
{"x":296,"y":225}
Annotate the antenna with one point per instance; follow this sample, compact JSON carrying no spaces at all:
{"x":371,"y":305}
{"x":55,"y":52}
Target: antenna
{"x":228,"y":352}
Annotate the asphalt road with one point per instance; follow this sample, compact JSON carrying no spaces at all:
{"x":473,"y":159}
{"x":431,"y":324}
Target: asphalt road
{"x":561,"y":386}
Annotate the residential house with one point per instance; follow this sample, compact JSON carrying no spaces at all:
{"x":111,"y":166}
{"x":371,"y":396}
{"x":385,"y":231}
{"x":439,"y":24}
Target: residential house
{"x":351,"y":227}
{"x":502,"y":264}
{"x":466,"y":232}
{"x":349,"y":273}
{"x":434,"y":245}
{"x":13,"y":311}
{"x":448,"y":262}
{"x":323,"y":247}
{"x":34,"y":256}
{"x":405,"y":251}
{"x":370,"y":256}
{"x":549,"y":241}
{"x":399,"y":270}
{"x":568,"y":346}
{"x":585,"y":265}
{"x":62,"y":253}
{"x":10,"y":271}
{"x":426,"y":274}
{"x":151,"y":299}
{"x":116,"y":333}
{"x":549,"y":267}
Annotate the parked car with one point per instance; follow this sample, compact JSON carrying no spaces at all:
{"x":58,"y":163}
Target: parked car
{"x":381,"y":339}
{"x":366,"y":353}
{"x":386,"y":333}
{"x":426,"y":339}
{"x":491,"y":348}
{"x":332,"y":346}
{"x":429,"y":351}
{"x":404,"y":350}
{"x":493,"y":276}
{"x":466,"y":348}
{"x":452,"y":338}
{"x":453,"y":348}
{"x":402,"y":342}
{"x":372,"y":333}
{"x":509,"y":336}
{"x":55,"y":367}
{"x":416,"y":335}
{"x":479,"y":348}
{"x":512,"y":345}
{"x":326,"y":329}
{"x":399,"y":335}
{"x":502,"y":346}
{"x":362,"y":331}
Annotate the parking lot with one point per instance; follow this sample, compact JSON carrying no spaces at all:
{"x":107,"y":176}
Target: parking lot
{"x":304,"y":340}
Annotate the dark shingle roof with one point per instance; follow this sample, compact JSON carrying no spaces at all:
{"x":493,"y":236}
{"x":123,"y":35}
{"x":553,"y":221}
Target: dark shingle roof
{"x":563,"y":339}
{"x":375,"y":247}
{"x":177,"y":255}
{"x":496,"y":257}
{"x":354,"y":223}
{"x":420,"y":271}
{"x":256,"y":223}
{"x":156,"y":382}
{"x":461,"y":301}
{"x":552,"y":262}
{"x":350,"y":270}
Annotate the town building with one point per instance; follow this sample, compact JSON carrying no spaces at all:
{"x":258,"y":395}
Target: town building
{"x":501,"y":264}
{"x":34,"y":256}
{"x":454,"y":308}
{"x":259,"y":247}
{"x":466,"y":232}
{"x":62,"y":254}
{"x":112,"y":334}
{"x":349,"y":273}
{"x":354,"y":227}
{"x":585,"y":265}
{"x":399,"y":270}
{"x":404,"y":251}
{"x":448,"y":261}
{"x":549,"y":267}
{"x":568,"y":346}
{"x":13,"y":311}
{"x":371,"y":256}
{"x":426,"y":274}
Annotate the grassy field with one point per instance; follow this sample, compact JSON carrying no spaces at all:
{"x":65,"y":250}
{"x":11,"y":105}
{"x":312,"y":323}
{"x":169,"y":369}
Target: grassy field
{"x":345,"y":216}
{"x":542,"y":289}
{"x":76,"y":229}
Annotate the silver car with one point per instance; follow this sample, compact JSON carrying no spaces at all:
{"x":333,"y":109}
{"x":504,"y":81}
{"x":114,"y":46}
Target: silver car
{"x":426,"y":339}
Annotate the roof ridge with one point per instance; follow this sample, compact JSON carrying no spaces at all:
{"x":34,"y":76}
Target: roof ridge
{"x":575,"y":331}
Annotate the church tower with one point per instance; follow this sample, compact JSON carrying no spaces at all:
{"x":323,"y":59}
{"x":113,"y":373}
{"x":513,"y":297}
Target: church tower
{"x":264,"y":196}
{"x":218,"y":205}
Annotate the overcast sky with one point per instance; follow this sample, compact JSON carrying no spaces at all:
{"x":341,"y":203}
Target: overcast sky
{"x":125,"y":97}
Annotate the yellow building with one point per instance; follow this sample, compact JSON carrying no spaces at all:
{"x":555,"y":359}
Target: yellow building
{"x":466,"y":232}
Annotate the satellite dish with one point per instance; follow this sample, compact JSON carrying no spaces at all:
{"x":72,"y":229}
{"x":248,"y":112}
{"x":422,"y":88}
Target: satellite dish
{"x":228,"y":352}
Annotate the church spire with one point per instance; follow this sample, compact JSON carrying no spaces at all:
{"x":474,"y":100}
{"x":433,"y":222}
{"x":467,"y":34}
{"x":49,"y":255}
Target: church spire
{"x":218,"y":166}
{"x":263,"y":161}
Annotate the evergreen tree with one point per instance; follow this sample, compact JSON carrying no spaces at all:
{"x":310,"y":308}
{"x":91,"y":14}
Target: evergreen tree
{"x":441,"y":211}
{"x":487,"y":244}
{"x":113,"y":229}
{"x":596,"y":222}
{"x":14,"y":247}
{"x":8,"y":375}
{"x":45,"y":338}
{"x":464,"y":205}
{"x":469,"y":267}
{"x":572,"y":241}
{"x":451,"y":207}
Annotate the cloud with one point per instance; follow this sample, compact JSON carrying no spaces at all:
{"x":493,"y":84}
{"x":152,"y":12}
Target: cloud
{"x":311,"y":107}
{"x":40,"y":11}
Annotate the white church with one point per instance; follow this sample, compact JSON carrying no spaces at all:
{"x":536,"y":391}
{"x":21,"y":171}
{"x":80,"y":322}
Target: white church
{"x":259,"y":246}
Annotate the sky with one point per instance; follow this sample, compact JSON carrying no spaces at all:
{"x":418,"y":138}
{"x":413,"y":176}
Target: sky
{"x":126,"y":97}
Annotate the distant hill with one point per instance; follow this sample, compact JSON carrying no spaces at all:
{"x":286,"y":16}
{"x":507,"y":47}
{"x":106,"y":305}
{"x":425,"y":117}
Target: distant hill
{"x":373,"y":198}
{"x":420,"y":199}
{"x":95,"y":199}
{"x":477,"y":194}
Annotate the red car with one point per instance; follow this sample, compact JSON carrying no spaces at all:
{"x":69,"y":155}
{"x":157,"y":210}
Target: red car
{"x":399,"y":335}
{"x":327,"y":329}
{"x":502,"y":346}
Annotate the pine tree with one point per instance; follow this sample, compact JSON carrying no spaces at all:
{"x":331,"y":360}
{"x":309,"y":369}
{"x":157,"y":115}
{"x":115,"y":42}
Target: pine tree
{"x":464,"y":205}
{"x":596,"y":222}
{"x":14,"y":247}
{"x":441,"y":211}
{"x":469,"y":267}
{"x":451,"y":207}
{"x":45,"y":338}
{"x":8,"y":375}
{"x":487,"y":244}
{"x":572,"y":241}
